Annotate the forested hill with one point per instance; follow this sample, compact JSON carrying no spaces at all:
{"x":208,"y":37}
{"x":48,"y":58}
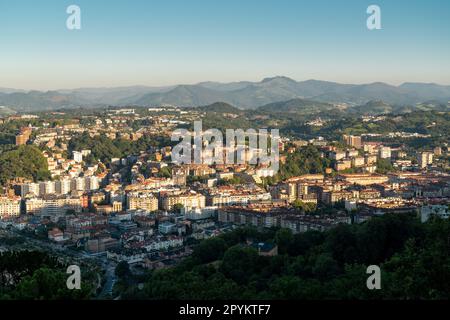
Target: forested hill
{"x":414,"y":259}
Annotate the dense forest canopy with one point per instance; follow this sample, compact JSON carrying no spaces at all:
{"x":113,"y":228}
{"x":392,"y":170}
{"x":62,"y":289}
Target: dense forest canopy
{"x":35,"y":275}
{"x":104,"y":148}
{"x":24,"y":161}
{"x":414,"y":259}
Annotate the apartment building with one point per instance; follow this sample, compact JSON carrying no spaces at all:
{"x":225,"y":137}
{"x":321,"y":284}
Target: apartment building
{"x":425,"y":159}
{"x":142,"y":201}
{"x":52,"y":206}
{"x":189,"y":200}
{"x":9,"y":207}
{"x":236,"y":198}
{"x":353,"y":141}
{"x":364,"y":179}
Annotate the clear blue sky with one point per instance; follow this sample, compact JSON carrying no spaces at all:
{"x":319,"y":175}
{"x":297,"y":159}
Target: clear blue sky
{"x":187,"y":41}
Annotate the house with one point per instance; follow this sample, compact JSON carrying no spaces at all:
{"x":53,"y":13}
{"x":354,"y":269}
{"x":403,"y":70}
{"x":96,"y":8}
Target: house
{"x":266,"y":249}
{"x":56,"y":235}
{"x":166,"y":227}
{"x":434,"y":210}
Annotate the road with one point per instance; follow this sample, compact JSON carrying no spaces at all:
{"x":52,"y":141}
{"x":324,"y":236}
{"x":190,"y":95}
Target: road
{"x":77,"y":256}
{"x":111,"y":280}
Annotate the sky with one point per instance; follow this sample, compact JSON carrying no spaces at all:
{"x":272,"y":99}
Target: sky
{"x":167,"y":42}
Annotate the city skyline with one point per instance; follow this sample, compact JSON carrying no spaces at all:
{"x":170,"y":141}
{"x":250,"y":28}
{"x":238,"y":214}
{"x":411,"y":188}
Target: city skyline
{"x":159,"y":44}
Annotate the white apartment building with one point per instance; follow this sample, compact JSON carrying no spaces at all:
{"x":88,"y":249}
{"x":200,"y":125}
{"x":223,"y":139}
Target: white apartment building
{"x":424,"y":159}
{"x":384,"y":152}
{"x":91,"y":183}
{"x":63,"y":186}
{"x":338,"y":155}
{"x":189,"y":201}
{"x":199,"y":214}
{"x":164,"y":244}
{"x":52,"y":206}
{"x":60,"y":187}
{"x":31,"y":189}
{"x":79,"y":184}
{"x":9,"y":207}
{"x":226,"y":199}
{"x":142,"y":201}
{"x":46,"y":187}
{"x":78,"y":156}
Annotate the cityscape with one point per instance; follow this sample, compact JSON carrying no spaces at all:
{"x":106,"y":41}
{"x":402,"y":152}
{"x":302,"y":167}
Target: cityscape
{"x":253,"y":189}
{"x":100,"y":188}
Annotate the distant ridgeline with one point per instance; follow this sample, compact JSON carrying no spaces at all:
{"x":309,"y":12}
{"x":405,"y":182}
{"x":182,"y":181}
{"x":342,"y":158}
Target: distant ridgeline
{"x":244,"y":95}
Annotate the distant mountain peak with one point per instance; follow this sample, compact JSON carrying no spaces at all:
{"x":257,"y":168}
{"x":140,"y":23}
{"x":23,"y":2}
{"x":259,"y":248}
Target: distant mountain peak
{"x":379,"y":84}
{"x":277,"y":78}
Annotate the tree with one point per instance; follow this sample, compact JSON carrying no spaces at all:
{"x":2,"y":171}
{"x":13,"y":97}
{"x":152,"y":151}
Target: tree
{"x":122,"y":270}
{"x":35,"y":275}
{"x":419,"y":273}
{"x":239,"y":263}
{"x":209,"y":250}
{"x":303,"y":242}
{"x":414,"y":260}
{"x":177,"y":207}
{"x":341,"y":243}
{"x":165,"y":173}
{"x":304,"y":207}
{"x":25,"y":161}
{"x":283,"y":239}
{"x":325,"y":267}
{"x":305,"y":160}
{"x":384,"y":166}
{"x":48,"y":284}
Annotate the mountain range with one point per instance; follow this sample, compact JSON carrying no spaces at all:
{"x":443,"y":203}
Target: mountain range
{"x":244,"y":95}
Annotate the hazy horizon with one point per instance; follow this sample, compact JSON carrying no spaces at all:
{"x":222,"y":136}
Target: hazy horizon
{"x":161,"y":86}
